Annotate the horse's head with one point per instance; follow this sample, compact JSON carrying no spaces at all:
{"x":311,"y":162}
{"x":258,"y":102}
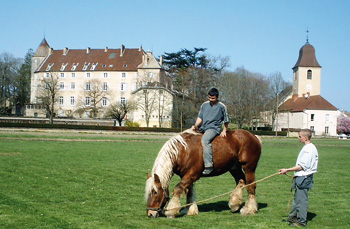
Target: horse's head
{"x":156,"y":196}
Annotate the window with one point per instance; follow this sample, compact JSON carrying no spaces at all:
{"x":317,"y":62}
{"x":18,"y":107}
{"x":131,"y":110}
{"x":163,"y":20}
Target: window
{"x":72,"y":101}
{"x":87,"y":101}
{"x":150,"y":74}
{"x":309,"y":74}
{"x":72,"y":85}
{"x":123,"y":86}
{"x":63,"y":66}
{"x":93,"y":66}
{"x":73,"y":75}
{"x":123,"y":75}
{"x":326,"y":129}
{"x":104,"y":86}
{"x":312,"y":117}
{"x":49,"y":66}
{"x":88,"y":75}
{"x":60,"y":100}
{"x":61,"y":85}
{"x":74,"y":66}
{"x":88,"y":86}
{"x":327,"y":117}
{"x":86,"y":65}
{"x":104,"y":101}
{"x":47,"y":75}
{"x":122,"y":99}
{"x":105,"y":75}
{"x":62,"y":75}
{"x":312,"y":128}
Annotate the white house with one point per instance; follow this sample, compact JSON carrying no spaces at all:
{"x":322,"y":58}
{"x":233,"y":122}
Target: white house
{"x":117,"y":73}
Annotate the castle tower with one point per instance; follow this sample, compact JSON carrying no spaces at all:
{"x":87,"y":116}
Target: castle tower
{"x":40,"y":54}
{"x":38,"y":58}
{"x":307,"y":73}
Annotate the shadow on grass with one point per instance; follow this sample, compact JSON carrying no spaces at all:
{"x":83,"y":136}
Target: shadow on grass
{"x":222,"y":206}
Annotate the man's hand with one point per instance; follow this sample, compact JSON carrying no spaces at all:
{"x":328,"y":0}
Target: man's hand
{"x":223,"y":133}
{"x":283,"y":171}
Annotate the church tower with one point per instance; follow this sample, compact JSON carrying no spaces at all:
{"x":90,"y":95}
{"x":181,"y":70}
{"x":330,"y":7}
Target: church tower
{"x":307,"y":73}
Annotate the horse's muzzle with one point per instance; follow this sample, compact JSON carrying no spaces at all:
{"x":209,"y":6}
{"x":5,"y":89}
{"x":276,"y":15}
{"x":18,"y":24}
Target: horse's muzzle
{"x":152,"y":214}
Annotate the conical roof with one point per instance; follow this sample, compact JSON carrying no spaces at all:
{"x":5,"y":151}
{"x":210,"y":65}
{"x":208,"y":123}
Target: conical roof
{"x":307,"y":57}
{"x":43,"y":49}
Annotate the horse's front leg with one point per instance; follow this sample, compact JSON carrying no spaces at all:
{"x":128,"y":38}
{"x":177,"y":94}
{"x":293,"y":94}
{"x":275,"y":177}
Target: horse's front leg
{"x":174,"y":206}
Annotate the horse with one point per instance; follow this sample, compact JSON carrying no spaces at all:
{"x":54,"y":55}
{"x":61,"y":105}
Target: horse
{"x":182,"y":154}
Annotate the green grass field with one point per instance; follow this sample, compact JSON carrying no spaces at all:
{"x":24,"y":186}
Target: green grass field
{"x":81,"y":180}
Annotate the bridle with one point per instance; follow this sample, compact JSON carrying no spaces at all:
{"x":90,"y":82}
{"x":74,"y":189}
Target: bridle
{"x":161,"y":207}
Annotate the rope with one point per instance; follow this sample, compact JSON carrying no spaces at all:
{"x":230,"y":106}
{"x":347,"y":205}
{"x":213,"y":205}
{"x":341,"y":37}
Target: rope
{"x":224,"y":194}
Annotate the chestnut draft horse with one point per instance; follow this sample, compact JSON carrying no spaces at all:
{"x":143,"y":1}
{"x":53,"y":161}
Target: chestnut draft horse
{"x":183,"y":155}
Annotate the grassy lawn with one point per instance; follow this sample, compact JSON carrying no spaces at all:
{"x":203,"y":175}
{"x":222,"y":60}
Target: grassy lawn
{"x":92,"y":183}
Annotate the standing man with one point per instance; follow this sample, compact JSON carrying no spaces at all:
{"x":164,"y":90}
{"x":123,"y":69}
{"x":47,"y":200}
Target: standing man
{"x":212,"y":115}
{"x":304,"y":169}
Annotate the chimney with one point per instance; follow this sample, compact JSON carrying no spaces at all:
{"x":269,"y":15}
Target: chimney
{"x":106,"y":49}
{"x":65,"y":51}
{"x":88,"y":50}
{"x":294,"y":97}
{"x":161,"y":60}
{"x":122,"y":50}
{"x":140,"y":48}
{"x":51,"y":51}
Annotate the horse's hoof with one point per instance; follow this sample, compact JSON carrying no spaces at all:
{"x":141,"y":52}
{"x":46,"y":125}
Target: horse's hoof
{"x":171,"y":217}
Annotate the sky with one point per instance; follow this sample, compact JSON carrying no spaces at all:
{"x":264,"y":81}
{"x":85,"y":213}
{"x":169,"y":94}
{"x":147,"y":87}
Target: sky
{"x":263,"y":36}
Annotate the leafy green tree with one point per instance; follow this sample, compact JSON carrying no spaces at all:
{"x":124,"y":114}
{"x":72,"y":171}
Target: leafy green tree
{"x":22,"y":83}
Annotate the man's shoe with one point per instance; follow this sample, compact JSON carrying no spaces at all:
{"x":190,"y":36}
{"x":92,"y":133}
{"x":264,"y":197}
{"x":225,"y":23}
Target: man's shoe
{"x":207,"y":171}
{"x":290,"y":220}
{"x":296,"y":224}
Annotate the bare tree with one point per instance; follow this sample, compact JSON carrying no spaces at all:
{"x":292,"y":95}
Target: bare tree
{"x":93,"y":95}
{"x":47,"y":94}
{"x":119,"y":110}
{"x":277,"y":86}
{"x":245,"y":95}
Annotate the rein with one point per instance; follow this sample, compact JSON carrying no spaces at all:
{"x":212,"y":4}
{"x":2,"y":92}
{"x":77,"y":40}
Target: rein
{"x":224,"y":194}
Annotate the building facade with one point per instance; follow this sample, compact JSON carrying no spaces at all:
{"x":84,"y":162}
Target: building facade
{"x":96,"y":78}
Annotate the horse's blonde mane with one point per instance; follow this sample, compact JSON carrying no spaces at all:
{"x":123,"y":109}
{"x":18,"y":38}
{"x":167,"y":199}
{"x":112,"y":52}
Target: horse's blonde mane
{"x":163,"y":165}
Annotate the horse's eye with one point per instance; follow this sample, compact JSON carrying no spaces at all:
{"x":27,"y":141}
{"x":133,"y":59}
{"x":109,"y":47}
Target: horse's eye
{"x":155,"y":193}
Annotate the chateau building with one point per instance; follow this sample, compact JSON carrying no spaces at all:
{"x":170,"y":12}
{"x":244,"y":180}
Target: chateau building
{"x":99,"y":78}
{"x":305,"y":107}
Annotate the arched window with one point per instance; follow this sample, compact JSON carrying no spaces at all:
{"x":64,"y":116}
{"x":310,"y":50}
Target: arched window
{"x":309,"y":74}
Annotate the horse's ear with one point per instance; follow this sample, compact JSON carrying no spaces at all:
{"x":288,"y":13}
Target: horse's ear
{"x":157,"y":181}
{"x":148,"y":176}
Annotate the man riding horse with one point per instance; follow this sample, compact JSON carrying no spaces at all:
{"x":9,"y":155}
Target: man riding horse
{"x":209,"y":121}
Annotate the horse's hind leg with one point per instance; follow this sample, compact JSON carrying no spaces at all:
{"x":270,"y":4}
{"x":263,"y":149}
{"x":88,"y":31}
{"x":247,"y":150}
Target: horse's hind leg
{"x":251,"y":206}
{"x":191,"y":198}
{"x":236,"y":198}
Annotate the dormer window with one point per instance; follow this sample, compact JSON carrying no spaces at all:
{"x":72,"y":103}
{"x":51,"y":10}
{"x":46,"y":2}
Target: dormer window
{"x":63,"y":66}
{"x":309,"y":74}
{"x":125,"y":65}
{"x":93,"y":66}
{"x":49,"y":66}
{"x":86,"y":65}
{"x":74,"y":67}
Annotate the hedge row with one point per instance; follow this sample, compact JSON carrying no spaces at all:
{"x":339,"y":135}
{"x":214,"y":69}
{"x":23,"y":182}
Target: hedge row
{"x":116,"y":128}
